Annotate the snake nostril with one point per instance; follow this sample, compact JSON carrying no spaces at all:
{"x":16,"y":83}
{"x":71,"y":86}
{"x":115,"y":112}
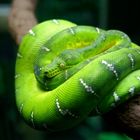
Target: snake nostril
{"x":47,"y":74}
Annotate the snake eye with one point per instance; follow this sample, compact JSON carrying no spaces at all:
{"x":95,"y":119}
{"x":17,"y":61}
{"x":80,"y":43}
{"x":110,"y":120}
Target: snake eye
{"x":62,"y":65}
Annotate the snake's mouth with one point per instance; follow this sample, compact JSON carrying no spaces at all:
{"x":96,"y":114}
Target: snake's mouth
{"x":51,"y":73}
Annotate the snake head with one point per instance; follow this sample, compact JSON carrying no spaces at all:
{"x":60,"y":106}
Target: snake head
{"x":63,"y":61}
{"x":54,"y":68}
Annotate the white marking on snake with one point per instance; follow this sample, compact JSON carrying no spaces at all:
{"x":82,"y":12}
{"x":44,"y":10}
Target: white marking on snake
{"x":64,"y":112}
{"x":72,"y":31}
{"x":88,"y":60}
{"x":131,"y":59}
{"x":32,"y":118}
{"x":19,"y":55}
{"x":138,"y":51}
{"x":66,"y":74}
{"x":31,"y":32}
{"x":116,"y":97}
{"x":45,"y":49}
{"x":40,"y":68}
{"x":138,"y":77}
{"x":98,"y":30}
{"x":17,"y":76}
{"x":55,"y":21}
{"x":103,"y":37}
{"x":111,"y":68}
{"x":87,"y":87}
{"x":132,"y":90}
{"x":124,"y":36}
{"x":21,"y":108}
{"x":16,"y":90}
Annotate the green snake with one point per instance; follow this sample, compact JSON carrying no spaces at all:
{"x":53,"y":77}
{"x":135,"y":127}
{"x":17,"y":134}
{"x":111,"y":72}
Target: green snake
{"x":66,"y":72}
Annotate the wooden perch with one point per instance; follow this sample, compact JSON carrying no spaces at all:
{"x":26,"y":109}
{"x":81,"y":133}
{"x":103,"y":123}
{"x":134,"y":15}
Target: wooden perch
{"x":21,"y":18}
{"x":126,"y":118}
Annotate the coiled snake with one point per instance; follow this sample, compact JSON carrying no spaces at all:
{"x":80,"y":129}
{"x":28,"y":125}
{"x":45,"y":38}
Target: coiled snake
{"x":66,"y":72}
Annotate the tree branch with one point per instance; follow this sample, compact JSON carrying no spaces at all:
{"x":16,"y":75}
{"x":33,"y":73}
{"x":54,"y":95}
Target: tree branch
{"x":126,"y":118}
{"x":21,"y":18}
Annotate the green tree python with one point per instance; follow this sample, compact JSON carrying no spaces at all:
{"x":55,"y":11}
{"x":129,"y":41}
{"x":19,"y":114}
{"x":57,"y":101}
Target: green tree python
{"x":66,"y":72}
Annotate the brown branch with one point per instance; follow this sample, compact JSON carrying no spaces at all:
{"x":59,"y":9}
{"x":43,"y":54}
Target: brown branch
{"x":21,"y":18}
{"x":126,"y":118}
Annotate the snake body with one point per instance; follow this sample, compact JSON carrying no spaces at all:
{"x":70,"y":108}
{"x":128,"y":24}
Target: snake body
{"x":65,"y":72}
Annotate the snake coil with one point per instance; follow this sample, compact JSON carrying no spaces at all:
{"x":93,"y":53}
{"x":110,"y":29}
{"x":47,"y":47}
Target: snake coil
{"x":66,"y":72}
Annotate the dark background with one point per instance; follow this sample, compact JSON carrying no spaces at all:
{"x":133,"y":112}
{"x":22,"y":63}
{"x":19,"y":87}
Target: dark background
{"x":107,"y":14}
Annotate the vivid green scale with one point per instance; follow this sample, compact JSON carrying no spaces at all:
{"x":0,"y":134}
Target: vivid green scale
{"x":66,"y":72}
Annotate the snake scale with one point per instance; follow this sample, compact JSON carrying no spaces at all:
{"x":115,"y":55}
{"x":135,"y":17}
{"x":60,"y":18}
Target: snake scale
{"x":66,"y":72}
